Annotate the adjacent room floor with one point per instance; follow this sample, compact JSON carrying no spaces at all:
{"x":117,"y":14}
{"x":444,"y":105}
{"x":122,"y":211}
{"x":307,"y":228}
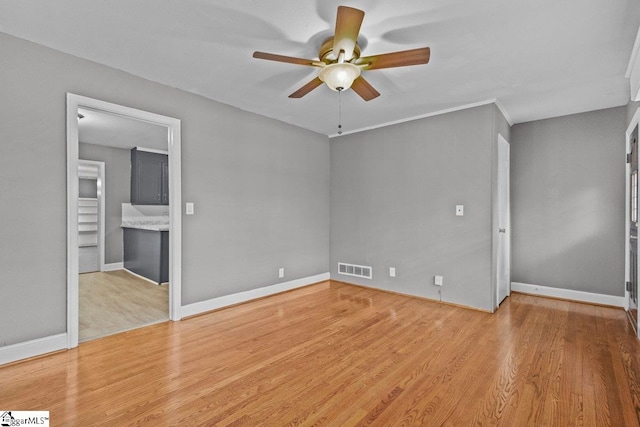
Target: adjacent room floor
{"x":117,"y":301}
{"x":334,"y":354}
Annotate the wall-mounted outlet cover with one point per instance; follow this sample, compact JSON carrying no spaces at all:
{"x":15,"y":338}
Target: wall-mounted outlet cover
{"x":281,"y":272}
{"x":438,"y":280}
{"x":459,"y":210}
{"x":392,"y":271}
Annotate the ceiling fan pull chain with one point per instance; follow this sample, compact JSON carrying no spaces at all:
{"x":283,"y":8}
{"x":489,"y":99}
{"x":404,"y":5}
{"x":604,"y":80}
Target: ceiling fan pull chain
{"x":339,"y":112}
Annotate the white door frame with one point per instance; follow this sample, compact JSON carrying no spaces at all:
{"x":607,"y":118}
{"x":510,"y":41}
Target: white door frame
{"x":99,"y":175}
{"x":495,"y":226}
{"x":175,"y":202}
{"x":635,"y":121}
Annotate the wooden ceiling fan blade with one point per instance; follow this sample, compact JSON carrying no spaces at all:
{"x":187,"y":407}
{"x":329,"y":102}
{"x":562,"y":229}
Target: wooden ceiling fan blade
{"x":396,"y":59}
{"x":306,"y":88}
{"x":287,"y":59}
{"x":348,"y":24}
{"x":364,"y":89}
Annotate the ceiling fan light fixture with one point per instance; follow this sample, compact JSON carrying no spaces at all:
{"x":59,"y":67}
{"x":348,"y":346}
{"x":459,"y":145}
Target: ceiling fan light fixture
{"x":339,"y":76}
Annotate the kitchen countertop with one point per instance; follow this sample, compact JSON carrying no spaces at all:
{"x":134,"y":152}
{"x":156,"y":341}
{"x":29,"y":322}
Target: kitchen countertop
{"x":146,"y":225}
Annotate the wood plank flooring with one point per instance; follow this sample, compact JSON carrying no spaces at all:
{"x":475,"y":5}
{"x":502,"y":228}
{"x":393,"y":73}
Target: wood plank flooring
{"x":117,"y":301}
{"x":334,"y":354}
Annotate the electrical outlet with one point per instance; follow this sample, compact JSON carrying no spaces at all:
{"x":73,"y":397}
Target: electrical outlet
{"x":392,"y":272}
{"x":189,"y":208}
{"x":281,"y":272}
{"x":438,"y":280}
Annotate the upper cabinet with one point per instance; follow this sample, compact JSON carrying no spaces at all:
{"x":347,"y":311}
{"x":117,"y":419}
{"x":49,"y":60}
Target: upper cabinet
{"x":149,"y":178}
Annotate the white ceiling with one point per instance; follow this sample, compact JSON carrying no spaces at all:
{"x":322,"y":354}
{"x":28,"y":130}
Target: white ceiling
{"x":540,"y":59}
{"x":100,"y":128}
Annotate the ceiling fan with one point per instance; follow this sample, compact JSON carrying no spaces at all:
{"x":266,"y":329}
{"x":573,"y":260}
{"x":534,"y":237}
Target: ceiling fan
{"x":340,"y":62}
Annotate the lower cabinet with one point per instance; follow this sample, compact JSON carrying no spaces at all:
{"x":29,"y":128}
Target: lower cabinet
{"x":146,"y":252}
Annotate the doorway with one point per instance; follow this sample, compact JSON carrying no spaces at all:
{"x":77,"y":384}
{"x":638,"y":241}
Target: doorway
{"x":502,"y":221}
{"x":631,"y":216}
{"x":172,"y":126}
{"x":91,"y":213}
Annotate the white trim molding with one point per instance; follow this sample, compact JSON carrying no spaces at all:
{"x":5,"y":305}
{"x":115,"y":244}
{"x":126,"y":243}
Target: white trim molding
{"x":424,"y":116}
{"x":503,"y":111}
{"x":227,"y":300}
{"x":633,"y":70}
{"x":568,"y":294}
{"x":175,"y":202}
{"x":37,"y":347}
{"x":114,"y":266}
{"x":146,"y":279}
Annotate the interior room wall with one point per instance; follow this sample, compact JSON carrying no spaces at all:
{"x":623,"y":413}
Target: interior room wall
{"x":88,"y":188}
{"x":118,"y":190}
{"x":393,"y":196}
{"x":260,"y":188}
{"x":567,"y":201}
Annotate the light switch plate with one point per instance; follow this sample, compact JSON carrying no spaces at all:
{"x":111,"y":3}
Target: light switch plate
{"x":189,"y":208}
{"x":438,"y":280}
{"x":459,"y":210}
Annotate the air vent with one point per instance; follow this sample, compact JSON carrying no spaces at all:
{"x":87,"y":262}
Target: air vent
{"x":355,"y":270}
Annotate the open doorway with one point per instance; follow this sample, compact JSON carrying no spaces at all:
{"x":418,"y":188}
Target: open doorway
{"x":113,"y":276}
{"x":502,"y":222}
{"x":120,"y":295}
{"x":91,"y":215}
{"x":631,"y":223}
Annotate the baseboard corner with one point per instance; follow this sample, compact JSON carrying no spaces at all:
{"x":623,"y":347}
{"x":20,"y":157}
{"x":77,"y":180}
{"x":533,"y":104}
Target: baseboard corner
{"x":113,"y":266}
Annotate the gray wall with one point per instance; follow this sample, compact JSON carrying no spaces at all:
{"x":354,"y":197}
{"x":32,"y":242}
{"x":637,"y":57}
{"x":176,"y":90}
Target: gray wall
{"x":393,"y":197}
{"x":260,"y":187}
{"x":567,"y":201}
{"x":118,"y":191}
{"x":88,"y":188}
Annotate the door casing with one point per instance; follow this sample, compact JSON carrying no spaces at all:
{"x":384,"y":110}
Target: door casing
{"x":635,"y":121}
{"x":99,"y":176}
{"x":495,"y":226}
{"x":503,"y":260}
{"x":175,"y":201}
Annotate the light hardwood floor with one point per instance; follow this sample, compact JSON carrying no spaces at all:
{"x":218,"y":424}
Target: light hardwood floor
{"x":334,"y":354}
{"x":117,"y":301}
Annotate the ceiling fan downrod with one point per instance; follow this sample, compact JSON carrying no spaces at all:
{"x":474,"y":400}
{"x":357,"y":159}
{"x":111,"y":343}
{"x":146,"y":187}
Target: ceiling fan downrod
{"x":339,"y":111}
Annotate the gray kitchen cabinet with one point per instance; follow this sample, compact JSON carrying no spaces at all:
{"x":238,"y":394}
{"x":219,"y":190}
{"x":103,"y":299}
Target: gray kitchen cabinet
{"x":146,"y":252}
{"x":149,"y":178}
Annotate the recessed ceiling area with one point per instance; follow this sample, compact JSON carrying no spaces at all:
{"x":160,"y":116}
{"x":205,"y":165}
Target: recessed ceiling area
{"x":539,"y":59}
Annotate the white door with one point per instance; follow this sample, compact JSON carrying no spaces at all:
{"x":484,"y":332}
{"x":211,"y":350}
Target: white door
{"x":504,"y":222}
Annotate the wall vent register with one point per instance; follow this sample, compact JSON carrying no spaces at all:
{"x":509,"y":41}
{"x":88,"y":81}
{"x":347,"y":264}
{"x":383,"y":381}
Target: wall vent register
{"x":363,"y":271}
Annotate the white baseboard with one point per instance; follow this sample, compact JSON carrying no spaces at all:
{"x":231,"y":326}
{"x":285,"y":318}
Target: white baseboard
{"x":144,"y":278}
{"x":40,"y":346}
{"x":568,"y":294}
{"x":114,"y":266}
{"x":227,"y":300}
